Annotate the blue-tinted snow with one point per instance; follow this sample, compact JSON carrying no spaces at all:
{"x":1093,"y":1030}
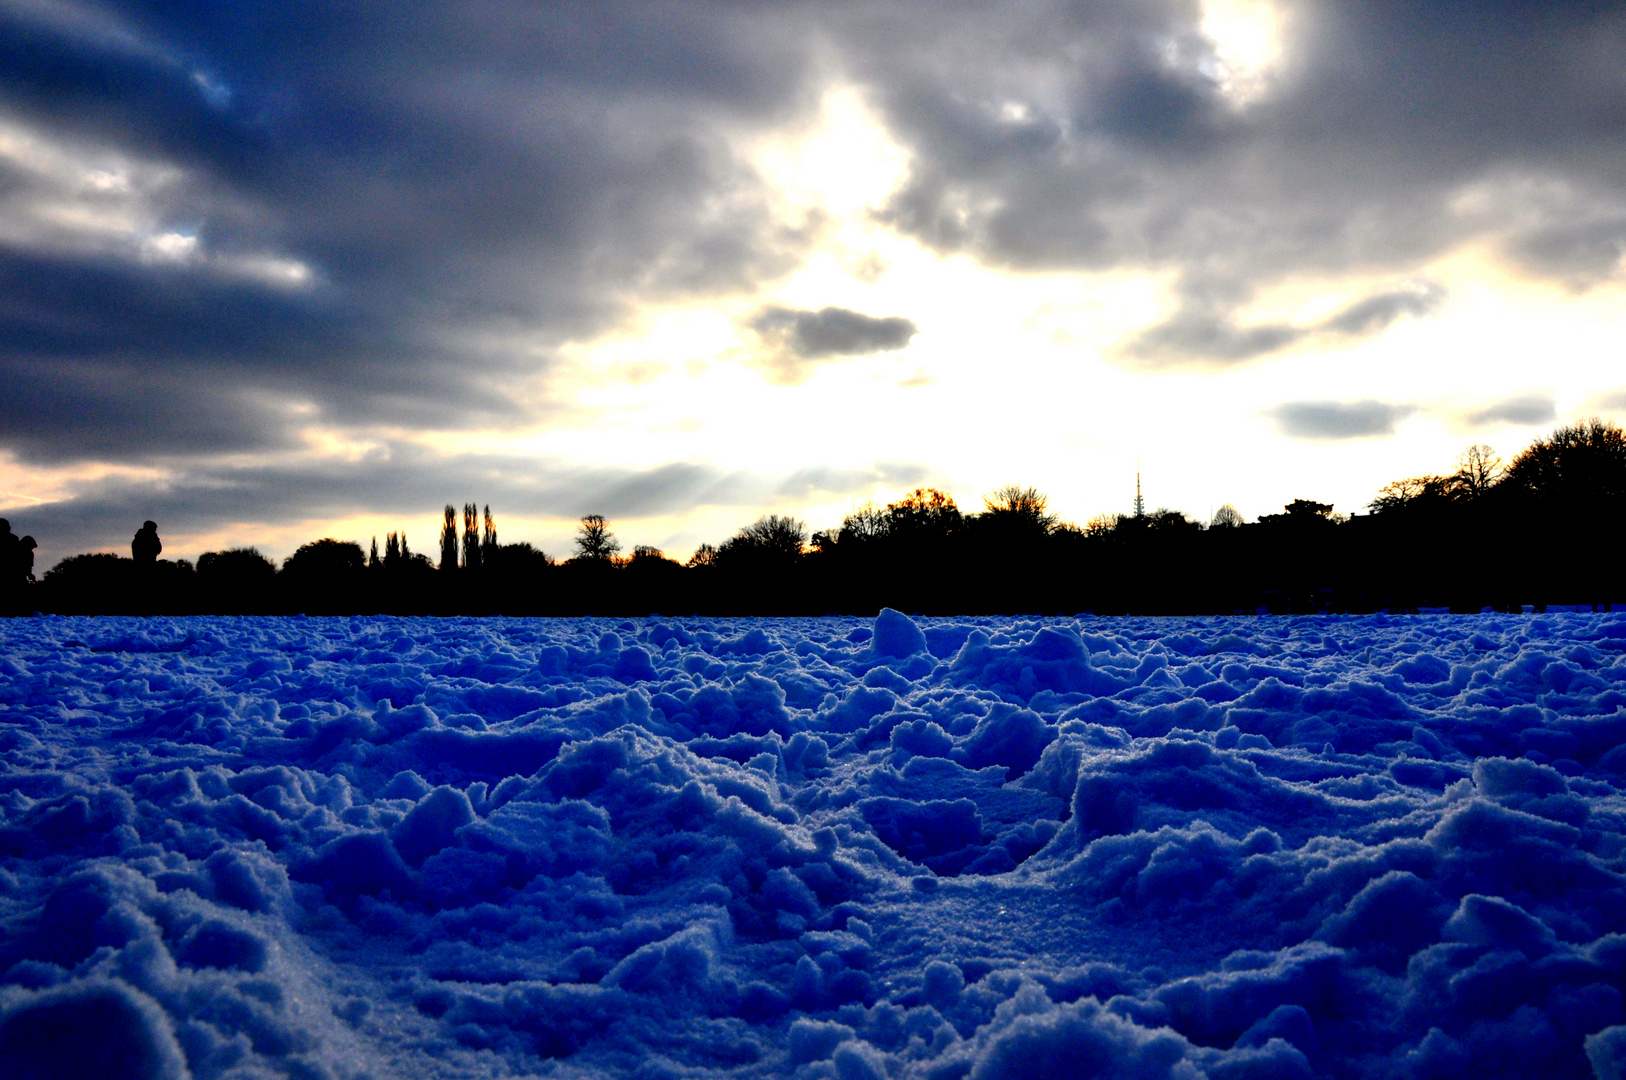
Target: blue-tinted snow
{"x":1356,"y":847}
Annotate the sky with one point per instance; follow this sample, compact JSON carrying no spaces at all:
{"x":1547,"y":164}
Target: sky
{"x":271,"y":272}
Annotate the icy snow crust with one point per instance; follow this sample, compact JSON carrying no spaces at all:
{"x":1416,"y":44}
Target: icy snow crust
{"x":1347,"y":847}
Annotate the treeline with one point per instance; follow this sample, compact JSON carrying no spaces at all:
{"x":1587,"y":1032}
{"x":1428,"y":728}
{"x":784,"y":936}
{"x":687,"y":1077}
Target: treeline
{"x":1542,"y":529}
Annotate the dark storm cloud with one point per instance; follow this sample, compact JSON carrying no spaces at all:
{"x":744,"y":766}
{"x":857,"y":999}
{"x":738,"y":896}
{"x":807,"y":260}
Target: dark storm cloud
{"x":832,"y":331}
{"x":463,"y":186}
{"x":1339,"y":420}
{"x":1524,"y":409}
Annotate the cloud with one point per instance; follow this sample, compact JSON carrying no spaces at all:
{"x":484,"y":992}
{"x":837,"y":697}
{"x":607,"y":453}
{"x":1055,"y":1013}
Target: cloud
{"x":1339,"y":420}
{"x":1523,"y":409}
{"x":383,"y":224}
{"x":1206,"y":337}
{"x":391,"y":216}
{"x":1373,"y":314}
{"x":798,"y":336}
{"x":1202,"y":334}
{"x":1610,"y":400}
{"x":1061,"y":136}
{"x":822,"y":480}
{"x":1580,"y":248}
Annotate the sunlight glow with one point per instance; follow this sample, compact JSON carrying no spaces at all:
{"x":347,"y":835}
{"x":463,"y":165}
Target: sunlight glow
{"x":843,"y":161}
{"x":1017,"y":377}
{"x":1247,"y":39}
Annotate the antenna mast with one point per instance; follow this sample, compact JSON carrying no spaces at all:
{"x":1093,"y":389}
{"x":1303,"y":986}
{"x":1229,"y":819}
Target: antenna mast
{"x":1140,"y":504}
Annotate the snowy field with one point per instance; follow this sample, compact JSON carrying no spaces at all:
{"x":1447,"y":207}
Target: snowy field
{"x":418,"y":848}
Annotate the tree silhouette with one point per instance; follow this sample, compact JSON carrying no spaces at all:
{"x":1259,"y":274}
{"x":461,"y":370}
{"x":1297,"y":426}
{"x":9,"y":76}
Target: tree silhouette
{"x":772,"y":536}
{"x":594,"y":541}
{"x":651,"y":575}
{"x":1580,"y":468}
{"x":758,"y":568}
{"x":865,"y":522}
{"x":238,"y":580}
{"x":1016,"y":501}
{"x":770,"y":545}
{"x":1413,"y":493}
{"x":326,"y":558}
{"x":926,"y":514}
{"x":471,"y":536}
{"x":1478,"y":470}
{"x":448,"y":539}
{"x":1301,"y":512}
{"x":1014,"y":523}
{"x":325,"y":575}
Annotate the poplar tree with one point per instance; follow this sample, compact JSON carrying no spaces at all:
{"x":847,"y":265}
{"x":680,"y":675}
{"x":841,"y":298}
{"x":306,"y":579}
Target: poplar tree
{"x":448,"y":539}
{"x":471,"y":536}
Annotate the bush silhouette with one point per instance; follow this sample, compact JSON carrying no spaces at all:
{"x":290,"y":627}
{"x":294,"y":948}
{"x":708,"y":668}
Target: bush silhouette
{"x":238,"y":580}
{"x":325,"y":576}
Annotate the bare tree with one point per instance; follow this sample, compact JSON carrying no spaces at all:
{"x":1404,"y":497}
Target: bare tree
{"x":1227,"y":517}
{"x":1478,"y":470}
{"x":1026,"y":503}
{"x":774,"y":533}
{"x":594,"y":539}
{"x":704,"y":555}
{"x":1412,"y":491}
{"x":1101,"y":525}
{"x":926,"y":512}
{"x":488,"y":542}
{"x":866,"y":522}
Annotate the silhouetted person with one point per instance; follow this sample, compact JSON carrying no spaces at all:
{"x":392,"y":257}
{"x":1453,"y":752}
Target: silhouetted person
{"x":145,"y":545}
{"x":25,"y":559}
